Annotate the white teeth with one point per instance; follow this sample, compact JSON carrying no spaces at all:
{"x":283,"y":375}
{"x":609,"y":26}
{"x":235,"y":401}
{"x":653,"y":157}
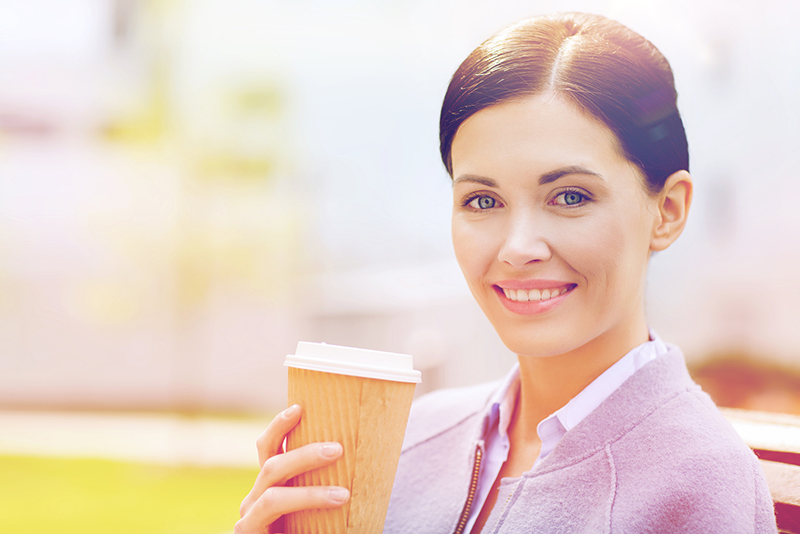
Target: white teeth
{"x":521,"y":295}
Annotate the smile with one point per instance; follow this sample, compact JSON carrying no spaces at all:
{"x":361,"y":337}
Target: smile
{"x":533,"y":301}
{"x":529,"y":295}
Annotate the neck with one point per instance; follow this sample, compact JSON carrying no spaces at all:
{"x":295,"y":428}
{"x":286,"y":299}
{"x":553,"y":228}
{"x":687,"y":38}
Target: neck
{"x":548,"y":383}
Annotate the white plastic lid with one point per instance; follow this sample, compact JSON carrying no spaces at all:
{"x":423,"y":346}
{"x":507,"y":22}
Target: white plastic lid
{"x":354,"y":362}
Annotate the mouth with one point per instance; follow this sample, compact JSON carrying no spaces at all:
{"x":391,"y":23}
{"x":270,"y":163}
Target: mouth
{"x":533,"y":295}
{"x":533,"y":301}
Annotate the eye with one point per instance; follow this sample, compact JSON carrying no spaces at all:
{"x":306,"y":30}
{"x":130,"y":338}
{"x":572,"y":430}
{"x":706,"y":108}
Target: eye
{"x":570,"y":198}
{"x":482,"y":202}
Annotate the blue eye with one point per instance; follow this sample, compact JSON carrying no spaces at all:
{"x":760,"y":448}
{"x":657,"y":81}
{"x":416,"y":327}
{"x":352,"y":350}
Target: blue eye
{"x":485,"y":203}
{"x":482,"y":202}
{"x":570,"y":198}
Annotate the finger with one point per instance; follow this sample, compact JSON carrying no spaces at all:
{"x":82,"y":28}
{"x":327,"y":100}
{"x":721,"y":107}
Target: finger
{"x":277,"y":470}
{"x":280,"y":500}
{"x":270,"y":441}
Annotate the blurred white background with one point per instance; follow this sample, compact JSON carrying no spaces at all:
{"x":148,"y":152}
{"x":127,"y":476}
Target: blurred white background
{"x":190,"y":187}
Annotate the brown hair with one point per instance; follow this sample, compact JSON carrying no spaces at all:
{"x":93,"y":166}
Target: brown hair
{"x":611,"y":72}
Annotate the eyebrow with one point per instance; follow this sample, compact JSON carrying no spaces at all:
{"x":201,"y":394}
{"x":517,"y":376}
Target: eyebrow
{"x":488,"y":182}
{"x":546,"y":178}
{"x":558,"y":173}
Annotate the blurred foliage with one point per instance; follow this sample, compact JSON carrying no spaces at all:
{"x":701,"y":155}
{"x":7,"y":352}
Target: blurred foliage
{"x":248,"y":141}
{"x":86,"y":496}
{"x":145,"y":123}
{"x":226,"y":168}
{"x":105,"y":302}
{"x":249,"y":245}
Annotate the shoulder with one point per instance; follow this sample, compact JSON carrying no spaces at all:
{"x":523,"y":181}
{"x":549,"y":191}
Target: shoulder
{"x":684,"y":419}
{"x":688,"y":429}
{"x":685,"y":466}
{"x":438,"y":411}
{"x":679,"y":423}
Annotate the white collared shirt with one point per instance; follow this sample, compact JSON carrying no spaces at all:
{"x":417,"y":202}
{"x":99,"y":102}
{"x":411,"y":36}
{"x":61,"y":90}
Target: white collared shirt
{"x":556,"y":425}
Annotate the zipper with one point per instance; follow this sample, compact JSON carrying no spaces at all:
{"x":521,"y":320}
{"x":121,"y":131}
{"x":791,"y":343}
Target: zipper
{"x":473,"y":487}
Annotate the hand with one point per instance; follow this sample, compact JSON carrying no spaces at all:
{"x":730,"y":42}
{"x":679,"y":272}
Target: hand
{"x":270,"y":499}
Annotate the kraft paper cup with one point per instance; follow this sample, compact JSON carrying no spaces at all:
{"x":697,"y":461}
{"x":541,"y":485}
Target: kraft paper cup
{"x":361,"y":399}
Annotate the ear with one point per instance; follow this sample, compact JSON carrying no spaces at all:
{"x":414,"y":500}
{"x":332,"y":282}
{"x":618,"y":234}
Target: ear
{"x":673,"y":208}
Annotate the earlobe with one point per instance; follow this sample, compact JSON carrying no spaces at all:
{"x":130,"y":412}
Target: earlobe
{"x":673,"y":208}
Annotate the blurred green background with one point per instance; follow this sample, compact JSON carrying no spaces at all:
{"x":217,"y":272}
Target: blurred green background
{"x":85,"y":496}
{"x":126,"y":472}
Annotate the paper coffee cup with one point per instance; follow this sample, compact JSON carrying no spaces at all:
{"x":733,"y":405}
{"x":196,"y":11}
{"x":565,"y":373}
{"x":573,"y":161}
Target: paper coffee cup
{"x":361,"y":399}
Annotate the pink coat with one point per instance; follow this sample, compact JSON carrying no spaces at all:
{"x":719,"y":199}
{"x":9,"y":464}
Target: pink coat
{"x":657,"y":456}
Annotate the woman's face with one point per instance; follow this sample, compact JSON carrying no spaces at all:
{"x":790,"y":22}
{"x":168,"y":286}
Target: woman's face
{"x":552,"y":226}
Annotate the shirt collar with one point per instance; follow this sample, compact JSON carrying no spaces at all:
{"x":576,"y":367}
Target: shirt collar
{"x":607,"y":383}
{"x":503,"y":402}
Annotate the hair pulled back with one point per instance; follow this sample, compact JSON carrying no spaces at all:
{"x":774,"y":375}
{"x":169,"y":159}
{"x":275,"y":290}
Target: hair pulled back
{"x":611,"y":72}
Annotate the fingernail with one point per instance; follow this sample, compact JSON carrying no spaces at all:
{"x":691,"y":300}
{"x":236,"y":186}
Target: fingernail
{"x":338,"y":494}
{"x":290,"y":411}
{"x":331,"y":450}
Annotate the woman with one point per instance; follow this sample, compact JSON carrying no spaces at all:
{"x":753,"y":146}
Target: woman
{"x":570,"y":166}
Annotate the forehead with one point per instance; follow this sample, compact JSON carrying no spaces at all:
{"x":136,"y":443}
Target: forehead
{"x":537,"y":133}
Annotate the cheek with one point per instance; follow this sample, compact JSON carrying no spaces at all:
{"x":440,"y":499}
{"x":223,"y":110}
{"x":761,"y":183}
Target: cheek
{"x":606,"y":253}
{"x":473,"y":248}
{"x":624,"y":250}
{"x":590,"y":252}
{"x":463,"y":245}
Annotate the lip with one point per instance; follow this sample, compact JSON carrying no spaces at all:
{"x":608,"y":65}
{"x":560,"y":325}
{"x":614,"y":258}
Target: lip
{"x":534,"y":307}
{"x":532,"y":284}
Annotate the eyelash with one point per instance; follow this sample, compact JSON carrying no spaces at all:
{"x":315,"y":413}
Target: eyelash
{"x":586,"y":198}
{"x":470,"y":198}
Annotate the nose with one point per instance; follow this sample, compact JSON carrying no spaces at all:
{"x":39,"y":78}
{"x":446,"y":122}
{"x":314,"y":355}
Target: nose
{"x":525,"y":242}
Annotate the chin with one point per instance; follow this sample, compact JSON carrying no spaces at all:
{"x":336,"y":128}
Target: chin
{"x":545,"y":335}
{"x":536,"y":346}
